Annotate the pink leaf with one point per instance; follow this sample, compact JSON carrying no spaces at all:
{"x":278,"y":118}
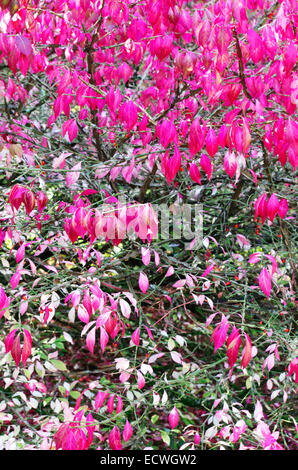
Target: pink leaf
{"x":208,"y":270}
{"x":141,"y":380}
{"x":173,"y":418}
{"x":143,"y":282}
{"x":269,"y":362}
{"x":20,"y":253}
{"x":238,"y":429}
{"x":261,"y":207}
{"x":128,"y":114}
{"x":206,"y":165}
{"x":254,"y":258}
{"x":23,"y":45}
{"x":4,"y":302}
{"x":258,"y":412}
{"x":233,"y":344}
{"x":72,"y":130}
{"x":156,"y":258}
{"x":127,"y":431}
{"x":16,"y":350}
{"x":119,"y":406}
{"x":146,"y":255}
{"x":115,"y":439}
{"x":176,"y":357}
{"x":282,"y":208}
{"x":179,"y":284}
{"x":83,"y":314}
{"x":242,"y":240}
{"x":246,"y":137}
{"x":167,"y":133}
{"x":274,"y":263}
{"x":100,"y":399}
{"x":230,"y":164}
{"x":90,"y":340}
{"x":135,"y":337}
{"x":210,"y":319}
{"x":173,"y":165}
{"x":219,"y":334}
{"x":194,"y":173}
{"x":15,"y":279}
{"x":254,"y":176}
{"x":196,"y":137}
{"x":110,"y":404}
{"x":211,"y":142}
{"x":170,"y":271}
{"x":26,"y":346}
{"x":149,"y":332}
{"x":272,"y":207}
{"x":9,"y":340}
{"x":265,"y":282}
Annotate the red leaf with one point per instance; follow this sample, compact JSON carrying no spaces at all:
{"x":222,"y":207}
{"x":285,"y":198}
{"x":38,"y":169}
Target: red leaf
{"x":233,"y":344}
{"x":16,"y":350}
{"x":26,"y":346}
{"x":246,"y":353}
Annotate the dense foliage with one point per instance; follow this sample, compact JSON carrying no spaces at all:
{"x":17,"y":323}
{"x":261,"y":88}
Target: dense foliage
{"x":148,"y":151}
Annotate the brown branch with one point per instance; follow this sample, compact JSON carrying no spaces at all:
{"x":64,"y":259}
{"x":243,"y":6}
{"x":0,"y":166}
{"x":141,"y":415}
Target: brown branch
{"x":287,"y":242}
{"x":267,"y":166}
{"x":282,"y":224}
{"x":241,"y":66}
{"x":90,"y":67}
{"x":235,"y":197}
{"x":147,"y":183}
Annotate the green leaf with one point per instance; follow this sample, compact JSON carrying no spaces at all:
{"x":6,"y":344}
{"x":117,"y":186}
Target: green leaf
{"x":165,"y":437}
{"x":248,"y":382}
{"x":58,"y":364}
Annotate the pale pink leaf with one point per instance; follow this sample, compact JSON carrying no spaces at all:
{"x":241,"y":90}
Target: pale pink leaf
{"x":73,"y":175}
{"x":141,"y":380}
{"x":170,"y":271}
{"x":90,"y":340}
{"x":23,"y":45}
{"x":104,"y":339}
{"x":146,"y":255}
